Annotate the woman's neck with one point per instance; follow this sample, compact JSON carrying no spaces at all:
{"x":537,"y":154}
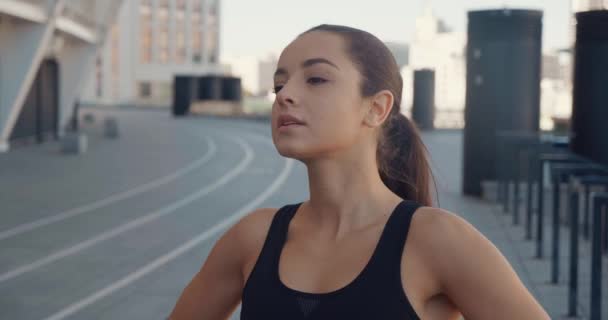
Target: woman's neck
{"x":346,"y":194}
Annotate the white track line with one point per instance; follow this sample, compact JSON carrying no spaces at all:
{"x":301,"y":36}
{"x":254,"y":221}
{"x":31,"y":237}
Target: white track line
{"x":211,"y":151}
{"x":160,"y":261}
{"x":136,"y":222}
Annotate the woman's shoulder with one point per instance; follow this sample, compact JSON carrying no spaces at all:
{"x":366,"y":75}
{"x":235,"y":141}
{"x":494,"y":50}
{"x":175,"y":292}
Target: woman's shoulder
{"x":433,"y":226}
{"x":254,"y":226}
{"x":445,"y":239}
{"x":468,"y":268}
{"x":430,"y":217}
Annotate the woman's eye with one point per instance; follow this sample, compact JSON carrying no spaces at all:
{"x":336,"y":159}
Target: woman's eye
{"x":316,"y":80}
{"x":276,"y":89}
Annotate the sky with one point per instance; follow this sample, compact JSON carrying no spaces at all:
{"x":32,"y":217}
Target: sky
{"x":259,"y":27}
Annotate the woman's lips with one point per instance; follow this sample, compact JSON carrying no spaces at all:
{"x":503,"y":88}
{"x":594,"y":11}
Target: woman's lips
{"x":289,"y":121}
{"x":289,"y":126}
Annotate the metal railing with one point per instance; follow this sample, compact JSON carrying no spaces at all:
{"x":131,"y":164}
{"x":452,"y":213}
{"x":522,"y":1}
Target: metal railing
{"x":545,"y":163}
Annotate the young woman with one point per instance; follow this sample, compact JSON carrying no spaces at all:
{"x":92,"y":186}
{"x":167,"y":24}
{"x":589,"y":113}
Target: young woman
{"x":343,"y":253}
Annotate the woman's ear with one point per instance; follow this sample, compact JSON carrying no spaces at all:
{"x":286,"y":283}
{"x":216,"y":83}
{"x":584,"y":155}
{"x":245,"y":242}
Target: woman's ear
{"x":379,"y":108}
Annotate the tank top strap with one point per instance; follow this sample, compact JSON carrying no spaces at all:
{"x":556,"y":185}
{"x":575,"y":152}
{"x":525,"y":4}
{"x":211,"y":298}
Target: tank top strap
{"x":276,"y":236}
{"x":281,"y":227}
{"x":387,"y":258}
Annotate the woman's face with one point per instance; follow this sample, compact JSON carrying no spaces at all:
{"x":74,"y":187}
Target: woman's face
{"x":316,"y":83}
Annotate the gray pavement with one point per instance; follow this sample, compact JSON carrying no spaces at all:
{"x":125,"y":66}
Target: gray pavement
{"x":116,"y":233}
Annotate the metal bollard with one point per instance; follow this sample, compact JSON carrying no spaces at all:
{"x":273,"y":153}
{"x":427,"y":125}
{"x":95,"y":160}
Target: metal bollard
{"x":535,"y":150}
{"x":526,"y":144}
{"x":111,"y":128}
{"x":501,"y":181}
{"x":560,"y":173}
{"x":600,"y":203}
{"x":575,"y":185}
{"x":532,"y":159}
{"x":574,"y":217}
{"x":588,"y":182}
{"x":511,"y":146}
{"x":547,"y":158}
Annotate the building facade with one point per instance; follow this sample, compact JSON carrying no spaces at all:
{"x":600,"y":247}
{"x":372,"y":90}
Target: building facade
{"x":48,"y":49}
{"x":152,"y":41}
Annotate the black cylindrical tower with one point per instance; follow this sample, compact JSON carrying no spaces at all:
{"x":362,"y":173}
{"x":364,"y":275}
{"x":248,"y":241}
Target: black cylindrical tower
{"x":184,"y":93}
{"x":590,"y":95}
{"x":423,"y":107}
{"x":503,"y":86}
{"x":210,"y":87}
{"x":231,"y":89}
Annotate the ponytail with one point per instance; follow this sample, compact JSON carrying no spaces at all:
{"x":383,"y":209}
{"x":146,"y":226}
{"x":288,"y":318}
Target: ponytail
{"x":403,"y":160}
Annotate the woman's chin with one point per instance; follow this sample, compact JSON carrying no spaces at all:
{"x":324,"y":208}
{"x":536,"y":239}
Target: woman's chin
{"x":289,"y":152}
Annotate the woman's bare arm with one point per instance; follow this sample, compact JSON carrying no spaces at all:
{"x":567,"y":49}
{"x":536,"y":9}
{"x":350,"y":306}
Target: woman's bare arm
{"x":474,"y":274}
{"x":215,"y":291}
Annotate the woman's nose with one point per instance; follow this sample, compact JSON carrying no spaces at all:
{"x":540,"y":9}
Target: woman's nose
{"x":285,"y":96}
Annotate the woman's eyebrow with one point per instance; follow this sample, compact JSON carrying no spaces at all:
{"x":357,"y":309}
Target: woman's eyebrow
{"x":313,"y":61}
{"x":307,"y":63}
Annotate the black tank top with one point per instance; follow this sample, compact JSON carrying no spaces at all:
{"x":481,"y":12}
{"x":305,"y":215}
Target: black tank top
{"x":376,"y":293}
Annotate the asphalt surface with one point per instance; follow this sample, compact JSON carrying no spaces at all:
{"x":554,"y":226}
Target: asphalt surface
{"x":118,"y":232}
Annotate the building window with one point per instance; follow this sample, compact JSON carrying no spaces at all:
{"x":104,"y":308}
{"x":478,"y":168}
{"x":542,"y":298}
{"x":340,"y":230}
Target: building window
{"x":145,"y":7}
{"x":197,"y":6}
{"x":197,"y":35}
{"x":163,"y":4}
{"x":145,"y":32}
{"x":99,"y":76}
{"x":180,"y":39}
{"x":115,"y":58}
{"x":212,"y":30}
{"x":197,"y":49}
{"x":163,"y":42}
{"x":212,"y":14}
{"x":181,"y":5}
{"x":211,"y":46}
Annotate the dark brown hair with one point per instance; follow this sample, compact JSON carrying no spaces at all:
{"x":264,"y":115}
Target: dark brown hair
{"x":402,"y":157}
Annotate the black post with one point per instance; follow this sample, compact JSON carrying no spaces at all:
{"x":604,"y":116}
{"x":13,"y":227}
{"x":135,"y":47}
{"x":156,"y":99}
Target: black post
{"x":557,"y":181}
{"x":516,"y":174}
{"x":531,"y":165}
{"x":503,"y":169}
{"x":500,"y":176}
{"x":540,"y":214}
{"x":600,"y":201}
{"x":560,"y":172}
{"x":588,"y":182}
{"x":521,"y":146}
{"x":586,"y":209}
{"x":547,"y":158}
{"x":423,"y":106}
{"x":605,"y":233}
{"x":573,"y":284}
